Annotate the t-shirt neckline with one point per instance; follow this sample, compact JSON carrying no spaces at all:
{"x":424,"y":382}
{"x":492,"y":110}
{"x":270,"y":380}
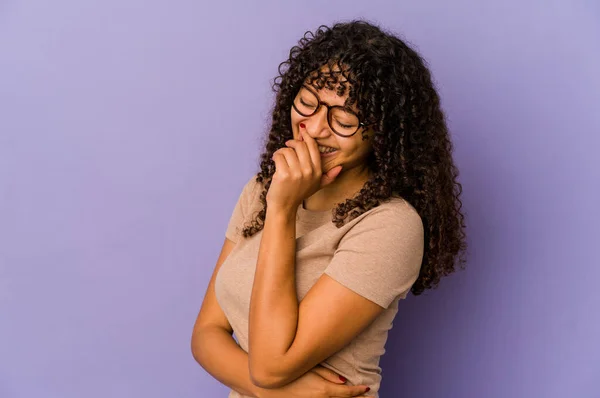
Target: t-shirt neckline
{"x":314,"y":216}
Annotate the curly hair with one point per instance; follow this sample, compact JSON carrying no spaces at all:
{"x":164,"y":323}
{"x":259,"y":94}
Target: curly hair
{"x":412,"y":151}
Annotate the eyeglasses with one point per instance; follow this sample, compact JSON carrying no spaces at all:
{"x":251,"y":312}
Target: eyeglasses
{"x":342,"y":120}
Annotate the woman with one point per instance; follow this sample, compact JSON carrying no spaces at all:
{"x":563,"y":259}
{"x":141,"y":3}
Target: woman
{"x":356,"y":203}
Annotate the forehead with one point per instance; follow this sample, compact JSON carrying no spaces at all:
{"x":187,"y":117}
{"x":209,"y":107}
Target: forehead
{"x":331,"y":85}
{"x":329,"y":78}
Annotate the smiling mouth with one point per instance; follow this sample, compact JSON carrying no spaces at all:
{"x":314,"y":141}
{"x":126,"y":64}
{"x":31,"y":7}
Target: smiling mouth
{"x":326,"y":150}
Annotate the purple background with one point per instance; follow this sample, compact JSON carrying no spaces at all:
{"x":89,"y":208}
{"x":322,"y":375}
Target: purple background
{"x":127,"y":129}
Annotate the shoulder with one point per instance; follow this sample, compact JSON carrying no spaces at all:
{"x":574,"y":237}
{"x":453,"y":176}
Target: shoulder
{"x":395,"y":214}
{"x":252,"y":189}
{"x":246,"y":207}
{"x":252,"y":184}
{"x":250,"y":197}
{"x":381,"y":252}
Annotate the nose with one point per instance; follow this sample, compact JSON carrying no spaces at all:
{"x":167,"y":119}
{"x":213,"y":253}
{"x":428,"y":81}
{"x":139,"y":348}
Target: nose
{"x":317,"y":125}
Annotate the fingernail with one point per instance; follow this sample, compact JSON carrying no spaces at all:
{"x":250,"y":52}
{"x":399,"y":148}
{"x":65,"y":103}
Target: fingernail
{"x":342,"y":378}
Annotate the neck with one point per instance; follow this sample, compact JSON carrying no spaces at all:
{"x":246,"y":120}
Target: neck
{"x":345,"y":186}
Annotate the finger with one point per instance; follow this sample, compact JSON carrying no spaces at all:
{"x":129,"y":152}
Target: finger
{"x":329,"y":375}
{"x":303,"y":154}
{"x":292,"y":160}
{"x":281,"y":164}
{"x":313,"y":149}
{"x":348,"y":391}
{"x":330,"y":176}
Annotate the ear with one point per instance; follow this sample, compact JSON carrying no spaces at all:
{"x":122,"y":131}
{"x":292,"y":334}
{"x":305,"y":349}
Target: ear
{"x":366,"y":135}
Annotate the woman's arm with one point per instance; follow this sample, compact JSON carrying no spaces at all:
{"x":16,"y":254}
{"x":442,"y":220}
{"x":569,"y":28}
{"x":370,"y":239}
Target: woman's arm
{"x":213,"y":345}
{"x":286,"y":339}
{"x":217,"y":352}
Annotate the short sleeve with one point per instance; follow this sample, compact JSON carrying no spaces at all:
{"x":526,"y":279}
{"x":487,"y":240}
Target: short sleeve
{"x":243,"y":210}
{"x":380,"y":256}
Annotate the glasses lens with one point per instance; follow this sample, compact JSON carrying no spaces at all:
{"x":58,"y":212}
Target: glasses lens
{"x":343,"y":122}
{"x":306,"y":102}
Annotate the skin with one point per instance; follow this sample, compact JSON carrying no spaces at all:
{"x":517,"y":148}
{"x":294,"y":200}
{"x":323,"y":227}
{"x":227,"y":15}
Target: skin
{"x":288,"y":339}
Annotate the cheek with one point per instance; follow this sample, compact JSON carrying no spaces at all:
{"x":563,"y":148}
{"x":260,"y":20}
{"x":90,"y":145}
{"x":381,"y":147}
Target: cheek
{"x":358,"y":150}
{"x":357,"y":146}
{"x":294,"y":122}
{"x":296,"y":119}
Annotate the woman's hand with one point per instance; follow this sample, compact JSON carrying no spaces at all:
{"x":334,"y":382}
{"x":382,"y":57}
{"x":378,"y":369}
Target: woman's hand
{"x":298,"y":173}
{"x":319,"y":382}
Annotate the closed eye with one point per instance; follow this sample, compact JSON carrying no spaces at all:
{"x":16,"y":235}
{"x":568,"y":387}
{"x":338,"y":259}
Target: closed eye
{"x":343,"y":125}
{"x":305,"y":104}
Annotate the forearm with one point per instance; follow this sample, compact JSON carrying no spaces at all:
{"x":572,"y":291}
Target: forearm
{"x":274,"y":301}
{"x":218,"y":353}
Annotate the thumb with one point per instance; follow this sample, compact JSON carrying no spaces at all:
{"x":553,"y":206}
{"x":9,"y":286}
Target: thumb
{"x":330,"y":176}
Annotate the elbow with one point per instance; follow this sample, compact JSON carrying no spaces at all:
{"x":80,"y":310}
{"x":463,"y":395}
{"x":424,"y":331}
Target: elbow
{"x":266,"y":378}
{"x":266,"y":381}
{"x":195,"y":348}
{"x":200,"y":341}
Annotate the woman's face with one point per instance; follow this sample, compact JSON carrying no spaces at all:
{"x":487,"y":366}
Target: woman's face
{"x":350,"y":152}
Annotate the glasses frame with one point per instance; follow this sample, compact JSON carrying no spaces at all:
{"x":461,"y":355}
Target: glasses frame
{"x":329,"y":108}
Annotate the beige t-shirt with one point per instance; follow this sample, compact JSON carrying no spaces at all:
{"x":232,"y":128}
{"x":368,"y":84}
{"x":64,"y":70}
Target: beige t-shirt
{"x":377,"y":255}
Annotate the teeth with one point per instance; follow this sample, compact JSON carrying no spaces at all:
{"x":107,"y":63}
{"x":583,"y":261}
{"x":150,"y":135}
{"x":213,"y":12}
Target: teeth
{"x":325,"y":149}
